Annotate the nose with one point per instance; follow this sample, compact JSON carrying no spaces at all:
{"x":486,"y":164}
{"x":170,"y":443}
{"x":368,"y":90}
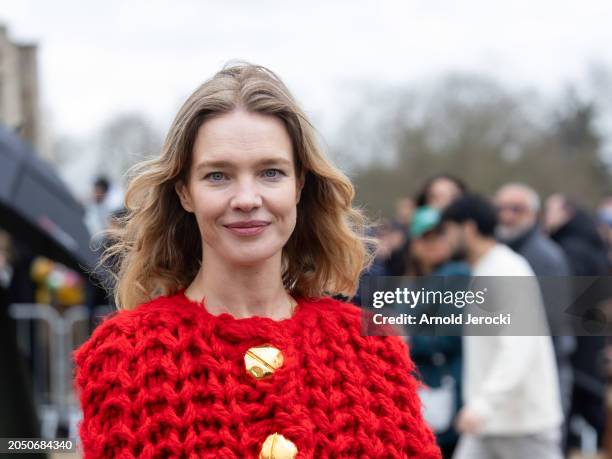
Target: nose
{"x":246,"y":197}
{"x":505,"y":218}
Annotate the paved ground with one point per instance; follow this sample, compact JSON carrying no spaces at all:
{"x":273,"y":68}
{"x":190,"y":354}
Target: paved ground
{"x":65,"y":456}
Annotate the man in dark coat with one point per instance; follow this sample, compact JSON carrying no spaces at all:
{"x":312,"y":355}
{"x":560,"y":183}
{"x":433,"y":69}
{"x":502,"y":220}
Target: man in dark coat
{"x":518,"y":208}
{"x":576,"y":232}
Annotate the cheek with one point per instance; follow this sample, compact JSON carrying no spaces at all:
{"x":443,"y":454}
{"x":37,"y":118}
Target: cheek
{"x":439,"y":249}
{"x":417,"y":248}
{"x":208,"y":208}
{"x":283,"y":204}
{"x":290,"y":218}
{"x":431,"y":250}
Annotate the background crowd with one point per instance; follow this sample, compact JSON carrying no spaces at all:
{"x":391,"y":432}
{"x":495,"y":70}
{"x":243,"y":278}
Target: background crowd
{"x":475,"y":387}
{"x":449,"y":230}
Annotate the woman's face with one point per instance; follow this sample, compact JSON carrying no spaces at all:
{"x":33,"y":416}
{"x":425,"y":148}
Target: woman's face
{"x":431,"y":249}
{"x":442,"y":192}
{"x":242,"y":187}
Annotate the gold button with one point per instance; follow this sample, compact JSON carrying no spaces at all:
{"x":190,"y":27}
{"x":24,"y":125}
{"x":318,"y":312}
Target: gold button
{"x":278,"y":447}
{"x":262,"y":361}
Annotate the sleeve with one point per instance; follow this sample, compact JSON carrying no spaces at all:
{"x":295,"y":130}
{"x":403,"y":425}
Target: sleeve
{"x":103,"y":385}
{"x":507,"y":372}
{"x":392,"y":377}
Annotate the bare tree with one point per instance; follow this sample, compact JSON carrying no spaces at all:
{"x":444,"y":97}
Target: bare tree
{"x":124,"y":141}
{"x":474,"y":128}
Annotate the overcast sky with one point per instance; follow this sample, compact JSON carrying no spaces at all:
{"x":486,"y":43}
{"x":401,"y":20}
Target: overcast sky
{"x":98,"y":58}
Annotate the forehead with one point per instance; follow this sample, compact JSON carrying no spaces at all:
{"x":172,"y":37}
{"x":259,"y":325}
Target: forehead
{"x":512,"y":194}
{"x":554,"y":202}
{"x":241,"y":136}
{"x":443,"y":184}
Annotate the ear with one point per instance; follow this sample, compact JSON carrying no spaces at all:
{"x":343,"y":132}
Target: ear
{"x":470,"y":228}
{"x":183,"y":193}
{"x":300,"y":186}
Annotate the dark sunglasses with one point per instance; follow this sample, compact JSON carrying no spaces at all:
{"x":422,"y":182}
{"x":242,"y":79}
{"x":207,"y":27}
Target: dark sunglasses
{"x":514,"y":208}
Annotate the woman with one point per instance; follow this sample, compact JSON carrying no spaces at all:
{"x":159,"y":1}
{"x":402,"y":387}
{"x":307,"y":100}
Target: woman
{"x":438,"y":358}
{"x":440,"y":190}
{"x":228,"y":343}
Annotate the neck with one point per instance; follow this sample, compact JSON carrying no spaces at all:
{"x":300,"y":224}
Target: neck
{"x":479,"y":248}
{"x":242,"y":291}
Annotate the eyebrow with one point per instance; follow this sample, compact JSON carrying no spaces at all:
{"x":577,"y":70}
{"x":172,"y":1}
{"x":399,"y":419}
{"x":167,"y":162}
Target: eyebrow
{"x":225,"y":164}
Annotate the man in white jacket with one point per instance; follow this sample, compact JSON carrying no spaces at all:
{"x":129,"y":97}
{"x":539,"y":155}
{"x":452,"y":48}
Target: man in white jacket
{"x":512,"y":403}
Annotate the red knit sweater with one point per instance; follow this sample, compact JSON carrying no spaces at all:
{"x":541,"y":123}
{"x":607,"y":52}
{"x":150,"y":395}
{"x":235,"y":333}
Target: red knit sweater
{"x":168,"y":380}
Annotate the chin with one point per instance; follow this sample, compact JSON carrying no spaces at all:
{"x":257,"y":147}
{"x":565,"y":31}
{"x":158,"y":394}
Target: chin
{"x":249,"y":256}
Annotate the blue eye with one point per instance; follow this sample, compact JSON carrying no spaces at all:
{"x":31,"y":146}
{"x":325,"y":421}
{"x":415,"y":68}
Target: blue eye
{"x":215,"y":176}
{"x":273,"y":173}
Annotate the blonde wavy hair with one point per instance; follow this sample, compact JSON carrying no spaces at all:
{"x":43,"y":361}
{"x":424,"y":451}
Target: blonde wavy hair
{"x":156,"y":247}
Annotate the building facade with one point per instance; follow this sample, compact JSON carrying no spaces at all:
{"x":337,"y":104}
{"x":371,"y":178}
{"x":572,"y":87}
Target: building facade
{"x":19,"y":93}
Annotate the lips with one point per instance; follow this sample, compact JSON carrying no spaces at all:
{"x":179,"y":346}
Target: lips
{"x":248,"y":224}
{"x":247,"y":228}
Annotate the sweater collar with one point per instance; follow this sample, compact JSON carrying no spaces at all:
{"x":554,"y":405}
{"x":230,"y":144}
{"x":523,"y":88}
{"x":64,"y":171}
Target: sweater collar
{"x":227,"y":317}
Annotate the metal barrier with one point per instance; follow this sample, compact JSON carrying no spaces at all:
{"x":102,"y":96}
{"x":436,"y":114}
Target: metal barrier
{"x":56,"y":404}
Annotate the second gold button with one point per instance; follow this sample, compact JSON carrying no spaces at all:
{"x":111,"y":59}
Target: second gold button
{"x":278,"y":447}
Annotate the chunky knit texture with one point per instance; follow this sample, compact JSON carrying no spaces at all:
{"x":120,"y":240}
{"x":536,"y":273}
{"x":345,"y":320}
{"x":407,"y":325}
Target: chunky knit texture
{"x":168,"y":380}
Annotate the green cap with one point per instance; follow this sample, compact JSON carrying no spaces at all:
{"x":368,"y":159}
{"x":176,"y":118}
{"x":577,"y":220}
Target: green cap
{"x":424,"y":219}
